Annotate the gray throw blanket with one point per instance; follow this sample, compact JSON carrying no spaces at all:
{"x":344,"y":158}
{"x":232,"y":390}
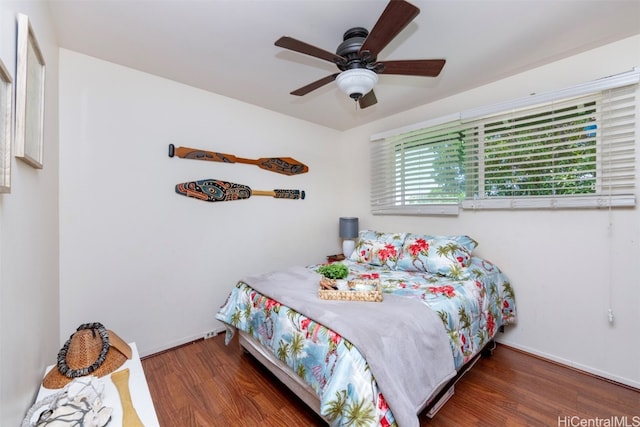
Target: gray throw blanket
{"x":403,"y":341}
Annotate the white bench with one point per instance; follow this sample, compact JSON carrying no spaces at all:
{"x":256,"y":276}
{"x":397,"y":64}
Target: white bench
{"x":140,"y":395}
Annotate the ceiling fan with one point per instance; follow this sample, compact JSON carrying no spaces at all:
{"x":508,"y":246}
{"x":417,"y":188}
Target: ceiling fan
{"x":356,"y":56}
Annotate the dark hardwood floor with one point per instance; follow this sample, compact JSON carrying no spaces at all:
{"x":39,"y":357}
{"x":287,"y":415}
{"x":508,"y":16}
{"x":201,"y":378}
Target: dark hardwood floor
{"x":208,"y":384}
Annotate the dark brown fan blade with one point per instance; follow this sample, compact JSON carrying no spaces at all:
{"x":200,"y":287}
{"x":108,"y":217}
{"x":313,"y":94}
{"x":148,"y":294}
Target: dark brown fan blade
{"x":315,"y":85}
{"x":395,"y":17}
{"x":413,"y":67}
{"x":368,"y":100}
{"x":302,"y":47}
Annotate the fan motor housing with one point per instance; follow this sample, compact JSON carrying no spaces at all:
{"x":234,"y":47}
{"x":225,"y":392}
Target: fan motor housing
{"x":353,"y":39}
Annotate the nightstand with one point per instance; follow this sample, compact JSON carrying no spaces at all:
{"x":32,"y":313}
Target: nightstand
{"x":334,"y":258}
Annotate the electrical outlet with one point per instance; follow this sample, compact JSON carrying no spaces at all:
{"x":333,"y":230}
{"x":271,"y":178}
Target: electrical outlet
{"x":610,"y":315}
{"x":210,"y":334}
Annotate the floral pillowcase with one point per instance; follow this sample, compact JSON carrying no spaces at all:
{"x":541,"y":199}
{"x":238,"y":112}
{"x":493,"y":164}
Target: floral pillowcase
{"x":380,"y":249}
{"x":443,"y":255}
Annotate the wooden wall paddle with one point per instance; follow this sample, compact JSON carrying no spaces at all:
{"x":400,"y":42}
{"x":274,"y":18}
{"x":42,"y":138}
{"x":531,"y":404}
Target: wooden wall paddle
{"x":215,"y":190}
{"x":283,"y":165}
{"x":130,"y":417}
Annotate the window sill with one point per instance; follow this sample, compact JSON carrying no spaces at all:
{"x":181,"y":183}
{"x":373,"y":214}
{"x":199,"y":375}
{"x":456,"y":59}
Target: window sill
{"x":574,"y":202}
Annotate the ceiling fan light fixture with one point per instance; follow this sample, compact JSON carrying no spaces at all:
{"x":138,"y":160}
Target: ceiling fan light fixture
{"x":356,"y":82}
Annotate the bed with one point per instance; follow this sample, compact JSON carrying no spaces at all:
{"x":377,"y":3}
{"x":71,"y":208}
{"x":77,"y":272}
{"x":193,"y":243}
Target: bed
{"x":375,"y":363}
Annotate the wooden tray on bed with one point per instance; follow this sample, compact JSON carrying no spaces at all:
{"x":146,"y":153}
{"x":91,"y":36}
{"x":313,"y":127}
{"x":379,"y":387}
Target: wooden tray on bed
{"x":359,"y":290}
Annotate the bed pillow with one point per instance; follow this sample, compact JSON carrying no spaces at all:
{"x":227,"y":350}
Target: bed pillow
{"x":443,"y":255}
{"x":379,"y":249}
{"x":465,"y":241}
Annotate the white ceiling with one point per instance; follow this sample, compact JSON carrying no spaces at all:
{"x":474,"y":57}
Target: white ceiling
{"x":227,"y":46}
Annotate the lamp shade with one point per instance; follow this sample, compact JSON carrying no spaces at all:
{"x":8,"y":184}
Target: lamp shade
{"x":348,"y":227}
{"x":356,"y":82}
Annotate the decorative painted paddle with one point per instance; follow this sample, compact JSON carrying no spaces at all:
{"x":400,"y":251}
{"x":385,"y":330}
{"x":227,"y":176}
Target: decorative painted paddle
{"x":283,"y":165}
{"x":214,"y":190}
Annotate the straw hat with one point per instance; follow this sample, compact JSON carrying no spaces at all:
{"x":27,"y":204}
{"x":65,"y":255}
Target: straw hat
{"x":91,"y":350}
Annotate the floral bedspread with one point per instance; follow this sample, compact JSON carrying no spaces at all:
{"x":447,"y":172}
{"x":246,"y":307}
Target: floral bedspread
{"x":471,"y":307}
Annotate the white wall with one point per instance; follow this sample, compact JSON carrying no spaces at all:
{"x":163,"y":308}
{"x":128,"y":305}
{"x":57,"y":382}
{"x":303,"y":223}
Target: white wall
{"x":566,"y":267}
{"x":29,"y":306}
{"x":155,"y":266}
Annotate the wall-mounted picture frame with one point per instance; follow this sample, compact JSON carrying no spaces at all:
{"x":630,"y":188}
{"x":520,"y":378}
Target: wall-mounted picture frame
{"x":29,"y":135}
{"x":6,"y":128}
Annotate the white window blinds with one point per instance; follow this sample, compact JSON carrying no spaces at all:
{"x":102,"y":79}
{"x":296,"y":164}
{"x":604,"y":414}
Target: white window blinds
{"x":567,"y":149}
{"x":570,"y":153}
{"x":419,"y":171}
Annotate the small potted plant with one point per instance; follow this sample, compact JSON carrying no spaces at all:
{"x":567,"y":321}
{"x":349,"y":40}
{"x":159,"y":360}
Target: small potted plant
{"x":331,"y":274}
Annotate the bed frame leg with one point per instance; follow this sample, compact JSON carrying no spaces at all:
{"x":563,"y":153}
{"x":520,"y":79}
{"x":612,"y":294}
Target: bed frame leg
{"x":487,"y":351}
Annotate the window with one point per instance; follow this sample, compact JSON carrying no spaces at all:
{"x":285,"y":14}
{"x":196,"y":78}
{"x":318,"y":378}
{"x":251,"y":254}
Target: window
{"x":574,"y":148}
{"x":420,"y":171}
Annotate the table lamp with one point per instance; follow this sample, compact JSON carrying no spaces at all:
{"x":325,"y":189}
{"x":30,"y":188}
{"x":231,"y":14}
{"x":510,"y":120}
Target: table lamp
{"x":348,"y":232}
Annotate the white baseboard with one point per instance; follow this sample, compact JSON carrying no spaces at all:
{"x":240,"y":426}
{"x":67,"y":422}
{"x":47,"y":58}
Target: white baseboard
{"x":572,"y":364}
{"x":179,"y":342}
